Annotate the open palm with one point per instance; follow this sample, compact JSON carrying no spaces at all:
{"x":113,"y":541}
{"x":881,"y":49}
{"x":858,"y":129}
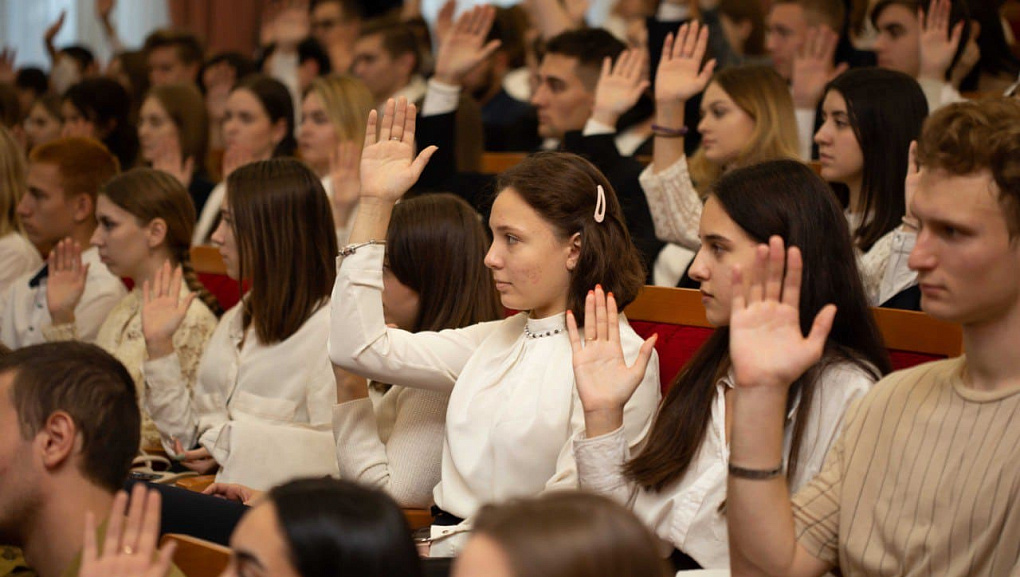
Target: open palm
{"x":680,"y":75}
{"x":389,"y":167}
{"x":767,"y":346}
{"x":65,"y":283}
{"x":163,"y":309}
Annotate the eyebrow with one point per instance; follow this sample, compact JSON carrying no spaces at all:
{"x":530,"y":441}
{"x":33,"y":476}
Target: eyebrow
{"x":505,"y":228}
{"x":248,"y":557}
{"x":716,"y":238}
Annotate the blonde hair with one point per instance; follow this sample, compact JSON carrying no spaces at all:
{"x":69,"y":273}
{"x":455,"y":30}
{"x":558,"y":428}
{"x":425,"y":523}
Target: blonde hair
{"x":347,"y":102}
{"x":763,"y":95}
{"x":12,"y":182}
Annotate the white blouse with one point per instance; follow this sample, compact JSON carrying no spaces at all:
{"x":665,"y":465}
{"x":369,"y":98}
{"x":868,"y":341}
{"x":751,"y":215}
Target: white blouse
{"x":17,"y":258}
{"x":514,"y":408}
{"x":26,"y":313}
{"x":687,"y":515}
{"x":392,"y":440}
{"x":676,"y":213}
{"x":262,"y":411}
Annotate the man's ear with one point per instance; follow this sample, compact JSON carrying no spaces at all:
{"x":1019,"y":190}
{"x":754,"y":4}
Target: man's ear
{"x":83,"y":207}
{"x":156,"y":232}
{"x":57,"y":440}
{"x":575,"y":251}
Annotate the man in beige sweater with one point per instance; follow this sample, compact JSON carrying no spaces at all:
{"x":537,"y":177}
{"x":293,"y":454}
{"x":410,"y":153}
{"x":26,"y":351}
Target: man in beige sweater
{"x":925,"y":478}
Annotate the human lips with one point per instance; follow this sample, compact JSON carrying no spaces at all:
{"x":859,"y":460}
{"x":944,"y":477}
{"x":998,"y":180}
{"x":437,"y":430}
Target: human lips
{"x":501,"y":284}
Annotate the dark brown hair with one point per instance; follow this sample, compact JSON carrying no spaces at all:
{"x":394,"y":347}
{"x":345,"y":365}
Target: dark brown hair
{"x":187,"y":45}
{"x":149,"y":194}
{"x":743,"y":11}
{"x":286,"y":242}
{"x":968,"y":137}
{"x":276,"y":101}
{"x":959,"y":11}
{"x":436,"y":245}
{"x":92,"y":387}
{"x":571,"y":534}
{"x":398,"y":38}
{"x":561,"y":187}
{"x":185,"y":106}
{"x":787,"y":199}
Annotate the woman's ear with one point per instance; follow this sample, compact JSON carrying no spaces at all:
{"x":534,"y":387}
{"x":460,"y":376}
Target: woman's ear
{"x":575,"y":251}
{"x":156,"y":233}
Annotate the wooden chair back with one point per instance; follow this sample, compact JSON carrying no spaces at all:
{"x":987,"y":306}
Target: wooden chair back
{"x":197,"y":558}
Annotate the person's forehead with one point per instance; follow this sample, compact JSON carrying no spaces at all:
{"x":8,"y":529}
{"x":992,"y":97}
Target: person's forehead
{"x":328,"y":10}
{"x":896,"y":14}
{"x":970,"y":197}
{"x":789,"y":14}
{"x":370,"y":43}
{"x":561,"y":66}
{"x":163,"y":54}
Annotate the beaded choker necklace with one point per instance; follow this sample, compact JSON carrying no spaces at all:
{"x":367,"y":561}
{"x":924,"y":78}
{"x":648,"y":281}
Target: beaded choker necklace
{"x":530,"y":335}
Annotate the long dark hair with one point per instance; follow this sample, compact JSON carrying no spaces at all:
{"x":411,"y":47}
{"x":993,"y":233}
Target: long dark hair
{"x":561,"y":188}
{"x":787,"y":199}
{"x":886,"y":109}
{"x":286,"y":242}
{"x":335,"y":527}
{"x":277,"y":102}
{"x":106,"y":103}
{"x":435,"y":245}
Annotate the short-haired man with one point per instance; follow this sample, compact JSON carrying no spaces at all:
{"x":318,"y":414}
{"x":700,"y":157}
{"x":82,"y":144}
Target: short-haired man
{"x":64,"y":177}
{"x":173,"y":57}
{"x":336,"y":24}
{"x":924,"y":479}
{"x":69,"y":429}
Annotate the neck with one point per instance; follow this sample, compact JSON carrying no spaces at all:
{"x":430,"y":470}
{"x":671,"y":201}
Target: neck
{"x":54,"y":537}
{"x":992,"y":362}
{"x":321,"y":169}
{"x":854,"y":205}
{"x":147,"y":270}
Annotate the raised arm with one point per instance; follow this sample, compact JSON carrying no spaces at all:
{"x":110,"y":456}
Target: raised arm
{"x":65,"y":284}
{"x":679,"y":78}
{"x":768,"y":353}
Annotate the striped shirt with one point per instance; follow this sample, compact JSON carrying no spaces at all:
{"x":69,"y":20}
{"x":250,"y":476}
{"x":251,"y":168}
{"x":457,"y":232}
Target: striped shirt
{"x":925,"y":480}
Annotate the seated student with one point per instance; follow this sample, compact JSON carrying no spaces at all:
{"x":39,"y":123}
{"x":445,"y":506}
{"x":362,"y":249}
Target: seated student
{"x":264,"y":387}
{"x":145,"y":221}
{"x":333,"y":112}
{"x":43,"y":122}
{"x":68,"y":432}
{"x":923,"y":479}
{"x":391,"y":436}
{"x":173,"y":57}
{"x":558,"y":229}
{"x":258,"y":125}
{"x":173,"y":131}
{"x":17,"y":255}
{"x":304,"y":528}
{"x":747,"y":117}
{"x":64,"y":177}
{"x":941,"y":24}
{"x":870,"y":117}
{"x":676,"y":481}
{"x":100,"y":108}
{"x":218,"y":77}
{"x":557,"y":534}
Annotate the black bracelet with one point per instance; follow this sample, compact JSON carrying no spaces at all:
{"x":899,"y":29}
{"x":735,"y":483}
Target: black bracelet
{"x":755,"y":474}
{"x":667,"y":132}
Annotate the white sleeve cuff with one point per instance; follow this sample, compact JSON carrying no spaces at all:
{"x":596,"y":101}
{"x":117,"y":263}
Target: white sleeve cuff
{"x":593,"y":127}
{"x":440,"y":98}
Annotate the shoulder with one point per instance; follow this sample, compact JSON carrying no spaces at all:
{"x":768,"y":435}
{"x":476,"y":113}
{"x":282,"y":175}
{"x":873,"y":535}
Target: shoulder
{"x":909,"y":386}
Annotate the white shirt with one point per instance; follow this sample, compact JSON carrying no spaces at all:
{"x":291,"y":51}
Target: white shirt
{"x":686,"y":515}
{"x":17,"y":258}
{"x":676,"y":214}
{"x":513,"y":407}
{"x":26,"y":313}
{"x":262,"y":411}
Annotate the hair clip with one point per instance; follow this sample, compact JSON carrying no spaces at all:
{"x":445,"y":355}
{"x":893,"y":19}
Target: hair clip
{"x":600,"y":204}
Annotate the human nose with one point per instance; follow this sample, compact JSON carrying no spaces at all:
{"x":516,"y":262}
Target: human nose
{"x":922,"y":257}
{"x":492,"y":260}
{"x":541,"y":96}
{"x":699,"y":270}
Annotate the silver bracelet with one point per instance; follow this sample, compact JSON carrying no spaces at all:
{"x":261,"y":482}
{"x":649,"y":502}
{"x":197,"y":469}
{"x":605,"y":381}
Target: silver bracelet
{"x":755,"y":474}
{"x":353,"y":248}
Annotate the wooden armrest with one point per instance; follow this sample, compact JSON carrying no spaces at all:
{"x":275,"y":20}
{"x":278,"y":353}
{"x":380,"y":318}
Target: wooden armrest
{"x":196,"y":484}
{"x":418,"y":518}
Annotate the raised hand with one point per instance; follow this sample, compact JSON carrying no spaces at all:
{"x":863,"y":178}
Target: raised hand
{"x":104,"y":8}
{"x":66,"y":281}
{"x":969,"y":56}
{"x":233,"y":492}
{"x":680,"y":74}
{"x":813,"y":66}
{"x":54,"y":29}
{"x":444,"y":20}
{"x":344,"y":163}
{"x":767,"y":347}
{"x":129,"y":548}
{"x":619,"y":87}
{"x":7,"y":69}
{"x":576,"y":10}
{"x":168,"y":159}
{"x":163,"y":310}
{"x":938,"y":46}
{"x":464,"y":47}
{"x":910,"y":184}
{"x":604,"y":381}
{"x":389,"y":167}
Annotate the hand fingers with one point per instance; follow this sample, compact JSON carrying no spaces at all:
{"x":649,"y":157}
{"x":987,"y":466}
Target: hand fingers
{"x":667,"y":49}
{"x":386,"y":127}
{"x":601,"y":320}
{"x":612,"y":319}
{"x":175,"y":284}
{"x":821,"y":327}
{"x":774,"y":275}
{"x":150,"y":524}
{"x":678,"y":41}
{"x":410,"y":124}
{"x":399,"y":118}
{"x":575,"y":337}
{"x":739,"y":301}
{"x":112,"y":542}
{"x":370,"y":128}
{"x":756,"y":289}
{"x":89,"y":553}
{"x":702,"y":45}
{"x":607,"y":69}
{"x":146,"y":293}
{"x":422,"y":160}
{"x":706,"y":73}
{"x":792,"y":280}
{"x":136,"y":514}
{"x":589,"y":317}
{"x":162,"y":565}
{"x":645,"y":354}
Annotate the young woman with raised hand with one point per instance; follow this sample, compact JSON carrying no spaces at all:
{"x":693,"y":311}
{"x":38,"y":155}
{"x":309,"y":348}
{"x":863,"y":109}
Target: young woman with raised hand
{"x":258,"y":125}
{"x":333,"y":112}
{"x":144,"y":234}
{"x":676,"y":481}
{"x":747,"y":116}
{"x":260,"y":406}
{"x":558,"y":230}
{"x":870,"y":116}
{"x":173,"y":129}
{"x":17,"y":255}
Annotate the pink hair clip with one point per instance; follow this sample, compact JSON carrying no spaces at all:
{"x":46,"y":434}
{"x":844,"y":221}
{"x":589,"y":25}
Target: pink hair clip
{"x":600,"y":204}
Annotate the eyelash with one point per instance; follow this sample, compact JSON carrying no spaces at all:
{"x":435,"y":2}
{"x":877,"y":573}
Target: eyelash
{"x":511,"y":239}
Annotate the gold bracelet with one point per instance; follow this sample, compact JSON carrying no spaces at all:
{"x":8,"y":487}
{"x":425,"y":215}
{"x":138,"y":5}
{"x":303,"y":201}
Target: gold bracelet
{"x":755,"y":474}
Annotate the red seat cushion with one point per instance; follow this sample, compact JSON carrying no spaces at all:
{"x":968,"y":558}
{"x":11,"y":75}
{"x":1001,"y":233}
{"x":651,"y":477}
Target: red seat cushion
{"x":225,"y":289}
{"x":676,"y":345}
{"x":906,"y":359}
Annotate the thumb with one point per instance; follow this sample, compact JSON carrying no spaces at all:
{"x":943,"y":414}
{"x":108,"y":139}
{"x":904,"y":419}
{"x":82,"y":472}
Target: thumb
{"x":840,"y":69}
{"x":821,"y":326}
{"x":645,"y":353}
{"x":423,"y":159}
